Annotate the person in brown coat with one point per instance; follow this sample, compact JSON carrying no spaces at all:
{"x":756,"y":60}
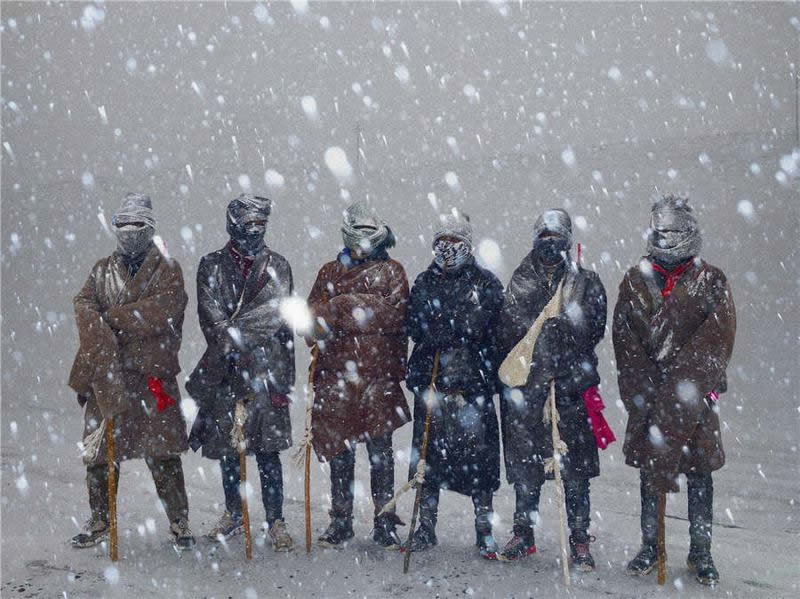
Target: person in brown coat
{"x":130,"y":317}
{"x":674,"y":328}
{"x":359,"y":304}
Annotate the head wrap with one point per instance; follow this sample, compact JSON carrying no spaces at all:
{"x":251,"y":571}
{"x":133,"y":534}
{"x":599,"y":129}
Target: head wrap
{"x":244,"y":220}
{"x":674,"y":235}
{"x":134,"y":226}
{"x":363,"y":231}
{"x":452,"y":240}
{"x":553,"y":248}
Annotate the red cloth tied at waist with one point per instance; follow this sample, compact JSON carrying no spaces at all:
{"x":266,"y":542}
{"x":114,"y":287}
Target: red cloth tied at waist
{"x":163,"y":400}
{"x":603,"y":434}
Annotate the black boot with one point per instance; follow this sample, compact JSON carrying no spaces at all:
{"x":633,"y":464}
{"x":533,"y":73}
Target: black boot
{"x":338,"y":532}
{"x":425,"y":536}
{"x":484,"y":540}
{"x":384,"y":532}
{"x":341,"y":527}
{"x":701,"y":498}
{"x":646,"y":559}
{"x":580,"y":555}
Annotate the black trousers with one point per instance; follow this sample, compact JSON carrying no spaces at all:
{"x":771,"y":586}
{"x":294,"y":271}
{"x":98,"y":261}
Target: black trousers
{"x":481,"y":504}
{"x":700,"y":491}
{"x":576,"y":493}
{"x":381,"y":477}
{"x":167,"y":475}
{"x":270,"y":472}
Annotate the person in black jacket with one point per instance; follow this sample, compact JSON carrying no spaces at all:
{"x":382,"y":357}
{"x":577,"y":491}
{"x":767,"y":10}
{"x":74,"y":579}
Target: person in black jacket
{"x":565,"y":352}
{"x":249,"y":359}
{"x":453,"y":313}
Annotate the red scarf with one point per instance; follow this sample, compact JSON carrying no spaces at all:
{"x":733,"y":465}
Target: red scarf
{"x":603,"y":435}
{"x":671,"y":276}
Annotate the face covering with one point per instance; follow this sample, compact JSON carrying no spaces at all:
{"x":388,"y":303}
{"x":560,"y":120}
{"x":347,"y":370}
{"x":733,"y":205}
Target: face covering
{"x":133,"y":241}
{"x":551,"y":250}
{"x":450,"y":255}
{"x":248,"y":237}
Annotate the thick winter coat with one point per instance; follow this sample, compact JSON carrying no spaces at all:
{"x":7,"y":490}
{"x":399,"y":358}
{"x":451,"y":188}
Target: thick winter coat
{"x":565,"y":352}
{"x":671,"y":353}
{"x":250,"y":353}
{"x":357,"y":392}
{"x":457,"y":315}
{"x":130,"y":329}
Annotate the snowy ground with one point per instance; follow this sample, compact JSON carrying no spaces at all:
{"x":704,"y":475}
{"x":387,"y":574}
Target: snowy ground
{"x":503,"y":109}
{"x":756,"y":534}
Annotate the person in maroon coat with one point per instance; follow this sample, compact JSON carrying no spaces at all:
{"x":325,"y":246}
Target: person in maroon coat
{"x":359,"y":305}
{"x":674,"y":329}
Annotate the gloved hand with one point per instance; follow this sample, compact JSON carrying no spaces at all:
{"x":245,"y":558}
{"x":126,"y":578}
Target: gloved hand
{"x":280,"y":400}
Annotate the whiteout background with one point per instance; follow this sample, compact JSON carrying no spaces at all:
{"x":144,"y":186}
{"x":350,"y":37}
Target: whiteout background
{"x":501,"y":109}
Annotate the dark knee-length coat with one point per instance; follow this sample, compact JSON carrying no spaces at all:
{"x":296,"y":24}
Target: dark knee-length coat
{"x":456,"y":315}
{"x":671,"y":354}
{"x":250,"y":353}
{"x":565,"y":352}
{"x":130,"y":328}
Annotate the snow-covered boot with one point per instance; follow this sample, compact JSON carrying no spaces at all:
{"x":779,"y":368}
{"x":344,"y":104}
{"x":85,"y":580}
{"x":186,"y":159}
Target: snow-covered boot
{"x":384,"y":532}
{"x":228,"y":526}
{"x":281,"y":541}
{"x":425,"y":536}
{"x":338,"y":532}
{"x":483,"y":527}
{"x":94,"y":532}
{"x":701,"y":564}
{"x":522,"y":544}
{"x":180,"y":534}
{"x":580,"y":555}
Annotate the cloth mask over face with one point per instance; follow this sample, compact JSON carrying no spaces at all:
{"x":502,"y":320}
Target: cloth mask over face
{"x":246,"y":222}
{"x":134,"y":226}
{"x":449,"y":255}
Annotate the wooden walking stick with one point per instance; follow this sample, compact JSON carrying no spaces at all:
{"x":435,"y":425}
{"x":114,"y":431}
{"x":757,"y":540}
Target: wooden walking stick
{"x":240,"y":443}
{"x":307,"y":443}
{"x":423,"y":454}
{"x":662,"y":541}
{"x":559,"y":448}
{"x":113,"y":540}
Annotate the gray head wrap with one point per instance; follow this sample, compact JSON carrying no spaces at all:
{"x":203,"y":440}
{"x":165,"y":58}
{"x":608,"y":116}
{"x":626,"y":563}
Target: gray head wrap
{"x":674,"y":236}
{"x":133,"y":239}
{"x":364,"y":231}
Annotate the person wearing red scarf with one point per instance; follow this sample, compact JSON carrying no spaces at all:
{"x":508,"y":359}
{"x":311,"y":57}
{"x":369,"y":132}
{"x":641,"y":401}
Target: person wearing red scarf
{"x":674,"y":328}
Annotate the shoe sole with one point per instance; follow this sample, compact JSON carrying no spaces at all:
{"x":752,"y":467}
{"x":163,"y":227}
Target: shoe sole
{"x":503,"y":558}
{"x":584,"y":568}
{"x":95,"y":543}
{"x":328,"y":545}
{"x":490,"y":556}
{"x":704,"y":581}
{"x":645,"y":572}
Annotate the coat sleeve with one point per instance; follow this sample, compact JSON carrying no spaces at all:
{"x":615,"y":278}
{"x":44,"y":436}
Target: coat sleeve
{"x":210,"y":308}
{"x":281,"y":365}
{"x":416,"y":321}
{"x":370,"y":314}
{"x":156,"y":312}
{"x":97,"y":343}
{"x":638,"y":376}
